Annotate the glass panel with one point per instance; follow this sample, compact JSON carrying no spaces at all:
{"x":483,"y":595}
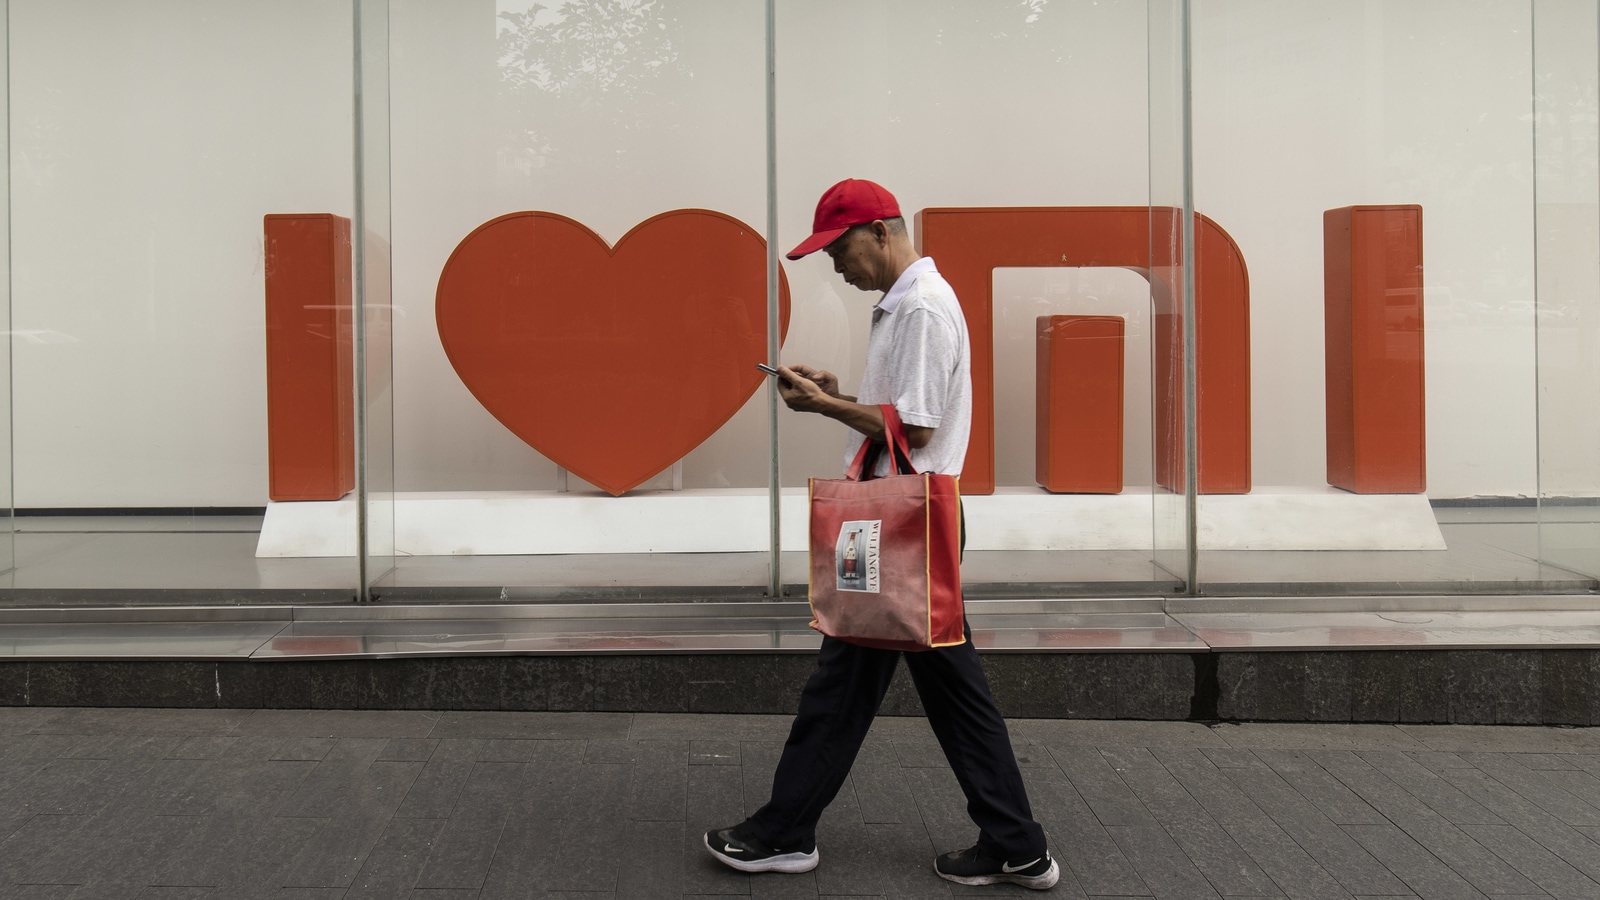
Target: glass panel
{"x":1013,"y":136}
{"x":152,"y":140}
{"x":7,"y":532}
{"x":1373,"y":165}
{"x":1170,"y":196}
{"x":600,"y":335}
{"x":375,"y":476}
{"x":1567,"y":310}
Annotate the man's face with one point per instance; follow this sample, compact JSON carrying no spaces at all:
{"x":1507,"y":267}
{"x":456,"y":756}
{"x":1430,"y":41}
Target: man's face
{"x":858,"y":256}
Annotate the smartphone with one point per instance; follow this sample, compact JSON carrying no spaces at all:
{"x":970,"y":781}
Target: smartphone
{"x":766,"y":368}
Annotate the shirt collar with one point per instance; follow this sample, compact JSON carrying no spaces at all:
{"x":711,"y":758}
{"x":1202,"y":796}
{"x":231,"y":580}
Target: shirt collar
{"x":891,"y":300}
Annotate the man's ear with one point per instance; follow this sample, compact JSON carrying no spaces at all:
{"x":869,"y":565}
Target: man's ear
{"x":880,"y":232}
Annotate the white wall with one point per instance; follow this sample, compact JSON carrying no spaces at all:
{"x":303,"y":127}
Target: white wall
{"x":148,"y":139}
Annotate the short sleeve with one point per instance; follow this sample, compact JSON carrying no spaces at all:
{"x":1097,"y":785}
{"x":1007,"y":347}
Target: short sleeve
{"x":922,"y":365}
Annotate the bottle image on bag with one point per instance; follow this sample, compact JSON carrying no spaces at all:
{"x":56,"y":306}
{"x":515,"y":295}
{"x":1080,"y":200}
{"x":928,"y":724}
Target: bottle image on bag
{"x":856,"y":556}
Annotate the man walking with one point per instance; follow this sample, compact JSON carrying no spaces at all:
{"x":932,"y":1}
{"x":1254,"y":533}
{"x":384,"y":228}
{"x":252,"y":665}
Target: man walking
{"x":918,"y":361}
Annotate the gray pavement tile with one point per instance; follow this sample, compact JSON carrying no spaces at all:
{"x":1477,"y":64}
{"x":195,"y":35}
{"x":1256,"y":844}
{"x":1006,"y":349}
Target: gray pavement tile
{"x":391,"y":869}
{"x":919,"y":754}
{"x":1332,"y":797}
{"x":334,"y":780}
{"x":658,"y":782}
{"x":883,"y":794}
{"x":203,"y":746}
{"x":904,"y":862}
{"x":1437,"y":794}
{"x":1504,"y":738}
{"x":776,"y":887}
{"x":168,"y":892}
{"x":594,"y":799}
{"x":1437,"y":761}
{"x":1539,"y":787}
{"x":694,"y":726}
{"x":303,"y":893}
{"x":1128,"y":758}
{"x":1456,"y":849}
{"x":1548,"y":871}
{"x":524,"y":725}
{"x":238,"y":854}
{"x":714,"y":753}
{"x":1100,"y":786}
{"x":939,"y":806}
{"x":715,"y":801}
{"x":896,"y":728}
{"x":1100,"y":733}
{"x":1424,"y":874}
{"x":340,"y":723}
{"x":1333,"y":849}
{"x":1589,"y":762}
{"x":462,"y":853}
{"x":1215,"y":792}
{"x":1559,"y":838}
{"x":36,"y":837}
{"x":607,"y":752}
{"x":334,"y":856}
{"x":433,"y":794}
{"x":760,"y":761}
{"x":303,"y":748}
{"x":231,"y":785}
{"x":145,"y":721}
{"x":657,"y":870}
{"x":1265,"y":735}
{"x":409,"y":749}
{"x":21,"y":719}
{"x":48,"y":789}
{"x":1580,"y":784}
{"x":1077,"y":840}
{"x":121,"y":852}
{"x":254,"y":746}
{"x":524,"y":856}
{"x":1160,"y":863}
{"x":1286,"y":862}
{"x":1228,"y":868}
{"x":1233,"y":759}
{"x":877,"y":752}
{"x":508,"y":750}
{"x":1544,"y":761}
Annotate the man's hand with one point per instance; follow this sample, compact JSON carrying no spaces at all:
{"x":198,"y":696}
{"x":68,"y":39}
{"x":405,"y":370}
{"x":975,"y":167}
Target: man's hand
{"x":801,"y":393}
{"x":827,"y":381}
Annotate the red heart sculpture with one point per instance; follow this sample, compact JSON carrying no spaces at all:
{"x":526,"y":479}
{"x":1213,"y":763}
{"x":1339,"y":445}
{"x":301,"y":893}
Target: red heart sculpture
{"x":613,"y":362}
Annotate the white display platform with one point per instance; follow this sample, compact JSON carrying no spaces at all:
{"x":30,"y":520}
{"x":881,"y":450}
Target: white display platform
{"x":735,"y":520}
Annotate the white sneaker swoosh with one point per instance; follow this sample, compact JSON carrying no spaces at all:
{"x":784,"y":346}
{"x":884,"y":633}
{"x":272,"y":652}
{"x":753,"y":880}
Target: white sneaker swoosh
{"x":1012,"y":870}
{"x":729,"y":848}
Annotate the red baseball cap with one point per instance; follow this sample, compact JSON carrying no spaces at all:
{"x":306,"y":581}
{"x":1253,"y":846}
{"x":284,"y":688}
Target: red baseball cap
{"x":849,"y":203}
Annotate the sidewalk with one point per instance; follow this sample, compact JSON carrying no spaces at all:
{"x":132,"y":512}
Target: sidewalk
{"x":128,"y":803}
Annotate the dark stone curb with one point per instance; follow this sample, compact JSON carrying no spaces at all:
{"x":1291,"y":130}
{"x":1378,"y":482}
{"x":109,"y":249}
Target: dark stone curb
{"x":1502,"y":687}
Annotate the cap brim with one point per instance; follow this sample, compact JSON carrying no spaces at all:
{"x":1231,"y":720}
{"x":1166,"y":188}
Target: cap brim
{"x":816,"y":242}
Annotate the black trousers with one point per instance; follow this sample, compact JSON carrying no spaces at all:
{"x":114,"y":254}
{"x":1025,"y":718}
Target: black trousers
{"x":840,"y":700}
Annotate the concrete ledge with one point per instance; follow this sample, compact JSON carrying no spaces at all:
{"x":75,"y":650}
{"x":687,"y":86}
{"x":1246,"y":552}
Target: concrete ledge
{"x":1488,"y":687}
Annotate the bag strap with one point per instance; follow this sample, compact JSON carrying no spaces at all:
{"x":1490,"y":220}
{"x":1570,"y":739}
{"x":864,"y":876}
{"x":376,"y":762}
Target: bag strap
{"x":866,"y":461}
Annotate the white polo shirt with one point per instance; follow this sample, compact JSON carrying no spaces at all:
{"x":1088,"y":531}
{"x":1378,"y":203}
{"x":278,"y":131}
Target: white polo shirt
{"x":919,"y":360}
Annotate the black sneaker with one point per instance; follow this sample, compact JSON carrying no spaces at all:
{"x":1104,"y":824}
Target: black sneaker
{"x":739,"y":848}
{"x":976,"y":865}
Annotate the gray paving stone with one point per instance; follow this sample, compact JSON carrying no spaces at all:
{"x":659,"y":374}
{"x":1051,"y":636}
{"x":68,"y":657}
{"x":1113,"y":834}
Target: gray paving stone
{"x":1355,"y":869}
{"x":1504,"y":738}
{"x":686,"y":726}
{"x":1286,"y":862}
{"x":409,"y":749}
{"x":1160,"y":863}
{"x":342,"y":723}
{"x":145,"y":721}
{"x":1101,"y":788}
{"x":1220,"y":797}
{"x":1317,"y":737}
{"x":1436,"y":794}
{"x":883,"y":794}
{"x":714,"y":800}
{"x":303,"y":748}
{"x":394,"y":864}
{"x":1553,"y":875}
{"x":714,"y":753}
{"x":1561,"y":839}
{"x":1208,"y":846}
{"x":523,"y":725}
{"x":433,"y":795}
{"x":1537,"y":787}
{"x":1077,"y":840}
{"x":1100,"y":733}
{"x":1425,"y":875}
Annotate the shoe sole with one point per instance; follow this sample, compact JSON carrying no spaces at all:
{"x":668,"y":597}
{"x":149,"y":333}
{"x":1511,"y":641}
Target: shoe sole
{"x":1032,"y":882}
{"x":790,"y":863}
